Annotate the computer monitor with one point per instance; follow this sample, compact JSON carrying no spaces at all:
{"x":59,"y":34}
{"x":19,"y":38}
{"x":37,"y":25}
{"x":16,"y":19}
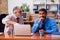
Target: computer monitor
{"x":37,"y":12}
{"x":35,"y":7}
{"x":24,"y":15}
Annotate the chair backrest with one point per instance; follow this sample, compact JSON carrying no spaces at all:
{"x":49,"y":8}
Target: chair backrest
{"x":1,"y":24}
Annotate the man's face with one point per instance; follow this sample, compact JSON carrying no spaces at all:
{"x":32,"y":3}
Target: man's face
{"x":42,"y":14}
{"x":18,"y":12}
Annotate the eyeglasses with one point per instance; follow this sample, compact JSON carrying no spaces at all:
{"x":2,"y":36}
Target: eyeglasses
{"x":18,"y":11}
{"x":42,"y":13}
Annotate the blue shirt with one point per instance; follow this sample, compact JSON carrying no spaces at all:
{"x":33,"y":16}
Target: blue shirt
{"x":50,"y":25}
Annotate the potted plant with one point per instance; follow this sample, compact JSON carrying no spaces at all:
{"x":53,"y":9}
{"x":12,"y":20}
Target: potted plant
{"x":25,"y":8}
{"x":52,"y":1}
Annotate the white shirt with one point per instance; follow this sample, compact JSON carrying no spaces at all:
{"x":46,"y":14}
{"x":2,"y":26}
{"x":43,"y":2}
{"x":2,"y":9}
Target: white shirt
{"x":12,"y":17}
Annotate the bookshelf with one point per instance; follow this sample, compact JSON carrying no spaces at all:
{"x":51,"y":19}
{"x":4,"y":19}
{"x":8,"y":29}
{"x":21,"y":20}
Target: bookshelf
{"x":47,"y":4}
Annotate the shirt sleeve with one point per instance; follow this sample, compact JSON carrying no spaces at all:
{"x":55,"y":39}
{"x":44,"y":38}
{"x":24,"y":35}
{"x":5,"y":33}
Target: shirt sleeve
{"x":7,"y":18}
{"x":54,"y":27}
{"x":35,"y":26}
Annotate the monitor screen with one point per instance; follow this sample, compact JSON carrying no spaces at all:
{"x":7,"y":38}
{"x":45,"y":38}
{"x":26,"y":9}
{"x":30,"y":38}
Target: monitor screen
{"x":24,"y":15}
{"x":35,"y":7}
{"x":36,"y":12}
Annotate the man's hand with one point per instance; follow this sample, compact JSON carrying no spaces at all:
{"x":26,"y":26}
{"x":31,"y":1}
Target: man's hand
{"x":41,"y":19}
{"x":11,"y":22}
{"x":42,"y":31}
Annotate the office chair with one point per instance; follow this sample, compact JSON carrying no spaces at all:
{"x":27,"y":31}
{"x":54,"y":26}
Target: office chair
{"x":1,"y":24}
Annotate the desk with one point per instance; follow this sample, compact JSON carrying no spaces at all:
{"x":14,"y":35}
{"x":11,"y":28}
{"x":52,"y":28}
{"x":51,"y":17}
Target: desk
{"x":34,"y":37}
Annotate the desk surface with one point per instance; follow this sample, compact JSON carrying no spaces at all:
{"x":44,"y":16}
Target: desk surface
{"x":34,"y":37}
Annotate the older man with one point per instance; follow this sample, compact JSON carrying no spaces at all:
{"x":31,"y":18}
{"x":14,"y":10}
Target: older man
{"x":12,"y":19}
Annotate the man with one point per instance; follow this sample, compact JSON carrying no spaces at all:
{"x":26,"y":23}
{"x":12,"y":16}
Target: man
{"x":12,"y":19}
{"x":44,"y":24}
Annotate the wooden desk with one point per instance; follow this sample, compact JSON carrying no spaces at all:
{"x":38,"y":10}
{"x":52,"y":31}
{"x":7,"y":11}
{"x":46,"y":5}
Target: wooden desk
{"x":34,"y":37}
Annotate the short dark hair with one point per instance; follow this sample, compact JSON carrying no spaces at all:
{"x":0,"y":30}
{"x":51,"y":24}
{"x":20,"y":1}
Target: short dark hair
{"x":43,"y":9}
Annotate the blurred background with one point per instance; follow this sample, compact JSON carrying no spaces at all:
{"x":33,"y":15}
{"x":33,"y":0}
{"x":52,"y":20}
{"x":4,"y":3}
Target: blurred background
{"x":30,"y":10}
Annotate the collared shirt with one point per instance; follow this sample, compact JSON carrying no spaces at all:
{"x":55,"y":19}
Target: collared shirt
{"x":50,"y":25}
{"x":11,"y":17}
{"x":7,"y":18}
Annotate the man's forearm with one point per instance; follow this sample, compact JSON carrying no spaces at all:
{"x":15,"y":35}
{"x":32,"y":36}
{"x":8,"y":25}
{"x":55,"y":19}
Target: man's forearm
{"x":10,"y":22}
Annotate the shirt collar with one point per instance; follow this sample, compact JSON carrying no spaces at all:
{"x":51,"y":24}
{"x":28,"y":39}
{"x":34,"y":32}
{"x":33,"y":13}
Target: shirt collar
{"x":45,"y":19}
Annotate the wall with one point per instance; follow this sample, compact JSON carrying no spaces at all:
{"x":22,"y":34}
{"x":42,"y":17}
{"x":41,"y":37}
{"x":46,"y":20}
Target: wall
{"x":13,"y":3}
{"x":3,"y":6}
